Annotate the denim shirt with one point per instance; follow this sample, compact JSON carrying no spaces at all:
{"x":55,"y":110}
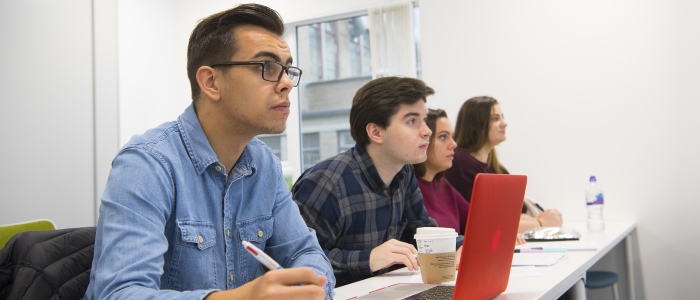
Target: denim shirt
{"x":172,"y":221}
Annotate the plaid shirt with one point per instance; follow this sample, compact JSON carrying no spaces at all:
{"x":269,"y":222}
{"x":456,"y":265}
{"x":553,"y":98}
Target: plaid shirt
{"x":345,"y":201}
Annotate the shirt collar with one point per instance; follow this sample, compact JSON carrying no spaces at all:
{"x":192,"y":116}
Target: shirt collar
{"x":200,"y":151}
{"x":369,"y":170}
{"x":245,"y":165}
{"x":195,"y":141}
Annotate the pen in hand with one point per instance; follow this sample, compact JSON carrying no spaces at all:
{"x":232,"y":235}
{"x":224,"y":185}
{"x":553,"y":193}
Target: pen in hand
{"x":540,"y":207}
{"x":263,"y":258}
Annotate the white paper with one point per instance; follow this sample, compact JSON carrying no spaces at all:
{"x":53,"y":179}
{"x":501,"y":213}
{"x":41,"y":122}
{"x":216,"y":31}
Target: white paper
{"x":525,"y":271}
{"x":569,"y":245}
{"x":537,"y":259}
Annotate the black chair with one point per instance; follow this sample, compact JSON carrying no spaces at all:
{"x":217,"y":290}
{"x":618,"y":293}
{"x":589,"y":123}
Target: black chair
{"x":47,"y":264}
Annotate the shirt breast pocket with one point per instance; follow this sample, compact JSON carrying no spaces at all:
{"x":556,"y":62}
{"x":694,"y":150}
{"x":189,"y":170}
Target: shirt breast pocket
{"x":194,"y":255}
{"x":256,"y":231}
{"x":198,"y":234}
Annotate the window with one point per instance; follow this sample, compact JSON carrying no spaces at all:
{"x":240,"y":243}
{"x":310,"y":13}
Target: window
{"x":311,"y":150}
{"x":335,"y":57}
{"x":275,"y":142}
{"x":278,"y":144}
{"x":345,"y":141}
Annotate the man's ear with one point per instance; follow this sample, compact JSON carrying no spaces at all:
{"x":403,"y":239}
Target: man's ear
{"x":208,"y":82}
{"x":375,"y":133}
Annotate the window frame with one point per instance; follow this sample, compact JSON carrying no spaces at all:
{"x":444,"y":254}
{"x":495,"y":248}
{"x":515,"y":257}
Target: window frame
{"x":293,"y":166}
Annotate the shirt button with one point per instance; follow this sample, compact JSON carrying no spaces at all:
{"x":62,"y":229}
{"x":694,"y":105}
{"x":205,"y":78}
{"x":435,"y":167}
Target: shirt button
{"x":230,"y":277}
{"x":228,"y":232}
{"x":201,"y":239}
{"x":218,"y":168}
{"x":260,"y":233}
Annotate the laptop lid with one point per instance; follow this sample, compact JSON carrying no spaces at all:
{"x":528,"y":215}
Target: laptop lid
{"x":489,"y":236}
{"x":489,"y":240}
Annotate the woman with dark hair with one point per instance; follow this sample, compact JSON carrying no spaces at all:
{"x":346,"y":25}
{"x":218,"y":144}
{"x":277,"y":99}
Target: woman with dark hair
{"x":480,"y":127}
{"x":442,"y":201}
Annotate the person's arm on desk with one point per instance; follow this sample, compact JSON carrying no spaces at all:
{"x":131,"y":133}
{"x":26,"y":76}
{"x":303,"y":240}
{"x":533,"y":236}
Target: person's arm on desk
{"x":458,"y":256}
{"x":320,"y":207}
{"x":393,"y":252}
{"x":548,"y":218}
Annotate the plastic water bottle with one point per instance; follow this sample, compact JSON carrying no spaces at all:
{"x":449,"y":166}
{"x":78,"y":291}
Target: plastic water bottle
{"x":594,"y":204}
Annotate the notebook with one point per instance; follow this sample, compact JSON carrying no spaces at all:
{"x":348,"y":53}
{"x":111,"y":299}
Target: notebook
{"x":489,"y":240}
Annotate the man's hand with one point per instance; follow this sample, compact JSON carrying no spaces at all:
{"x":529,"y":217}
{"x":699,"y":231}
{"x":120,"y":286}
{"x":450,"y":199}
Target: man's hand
{"x":393,"y":252}
{"x":550,"y":218}
{"x":288,"y":284}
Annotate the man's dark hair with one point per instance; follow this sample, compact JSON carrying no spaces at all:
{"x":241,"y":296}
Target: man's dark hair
{"x":378,"y":100}
{"x":213,"y":40}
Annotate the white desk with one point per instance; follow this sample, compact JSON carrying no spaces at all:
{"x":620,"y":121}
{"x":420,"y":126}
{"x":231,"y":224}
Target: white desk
{"x":555,"y":280}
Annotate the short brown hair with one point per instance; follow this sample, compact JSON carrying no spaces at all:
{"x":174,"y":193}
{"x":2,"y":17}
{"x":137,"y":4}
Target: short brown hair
{"x":213,"y":39}
{"x":378,"y":100}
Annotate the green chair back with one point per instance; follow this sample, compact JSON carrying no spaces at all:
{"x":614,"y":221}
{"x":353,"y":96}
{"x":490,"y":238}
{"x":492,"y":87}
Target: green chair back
{"x":7,"y":231}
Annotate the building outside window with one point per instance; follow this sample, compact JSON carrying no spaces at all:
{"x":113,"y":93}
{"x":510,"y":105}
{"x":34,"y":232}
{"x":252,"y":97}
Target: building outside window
{"x":345,"y":141}
{"x":311,"y":152}
{"x":335,"y":57}
{"x":336,"y":61}
{"x":276,"y":143}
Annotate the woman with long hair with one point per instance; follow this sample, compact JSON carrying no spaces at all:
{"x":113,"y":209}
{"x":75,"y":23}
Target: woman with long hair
{"x":480,"y":128}
{"x":442,"y":201}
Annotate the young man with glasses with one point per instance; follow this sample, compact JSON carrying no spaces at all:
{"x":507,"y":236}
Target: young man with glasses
{"x":182,"y":197}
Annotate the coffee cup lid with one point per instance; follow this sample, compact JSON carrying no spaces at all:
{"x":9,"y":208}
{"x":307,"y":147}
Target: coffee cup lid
{"x":435,"y":232}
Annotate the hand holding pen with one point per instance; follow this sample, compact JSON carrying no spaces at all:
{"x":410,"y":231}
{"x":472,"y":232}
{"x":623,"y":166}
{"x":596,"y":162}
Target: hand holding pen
{"x":549,"y":217}
{"x":293,"y":283}
{"x":261,"y":256}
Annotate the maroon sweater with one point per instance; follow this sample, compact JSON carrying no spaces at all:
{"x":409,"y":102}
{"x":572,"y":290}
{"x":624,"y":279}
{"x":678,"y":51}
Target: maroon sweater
{"x":444,"y":204}
{"x":464,"y":170}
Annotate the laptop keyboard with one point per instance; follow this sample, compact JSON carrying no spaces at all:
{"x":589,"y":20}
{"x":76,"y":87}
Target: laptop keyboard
{"x":441,"y":292}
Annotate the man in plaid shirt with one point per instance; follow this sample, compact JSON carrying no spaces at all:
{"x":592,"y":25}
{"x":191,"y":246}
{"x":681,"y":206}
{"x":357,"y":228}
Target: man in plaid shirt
{"x":365,"y":204}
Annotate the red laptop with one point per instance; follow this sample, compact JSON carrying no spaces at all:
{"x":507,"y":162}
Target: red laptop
{"x":489,"y":240}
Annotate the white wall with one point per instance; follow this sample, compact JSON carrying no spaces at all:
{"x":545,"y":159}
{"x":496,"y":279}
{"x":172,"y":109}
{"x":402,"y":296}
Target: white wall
{"x":106,"y":97}
{"x":46,"y":115}
{"x":588,"y":87}
{"x":153,"y":38}
{"x":153,"y":86}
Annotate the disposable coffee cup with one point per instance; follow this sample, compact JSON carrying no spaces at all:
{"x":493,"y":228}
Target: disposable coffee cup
{"x":436,"y":253}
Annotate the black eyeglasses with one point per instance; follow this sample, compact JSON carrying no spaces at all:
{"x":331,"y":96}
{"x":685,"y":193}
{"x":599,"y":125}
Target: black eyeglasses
{"x":271,"y":70}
